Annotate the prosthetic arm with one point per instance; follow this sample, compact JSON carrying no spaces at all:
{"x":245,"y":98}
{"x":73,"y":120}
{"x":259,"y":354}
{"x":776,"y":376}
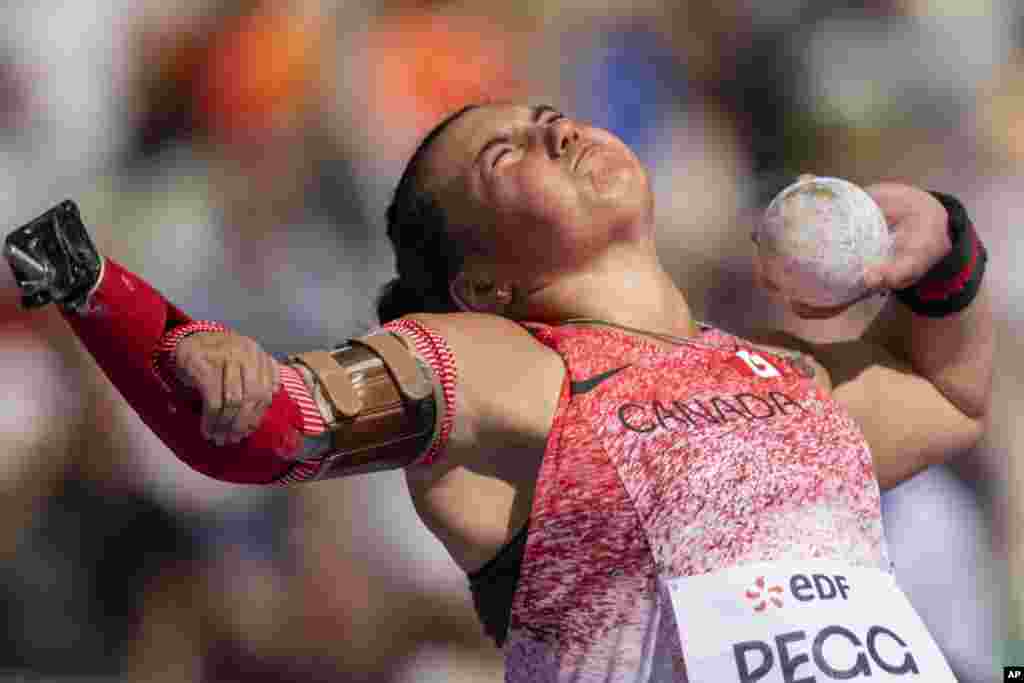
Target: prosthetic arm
{"x":379,"y":402}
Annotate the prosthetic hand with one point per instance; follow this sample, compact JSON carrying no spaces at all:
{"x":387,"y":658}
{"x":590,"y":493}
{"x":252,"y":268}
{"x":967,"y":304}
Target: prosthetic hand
{"x":53,"y":258}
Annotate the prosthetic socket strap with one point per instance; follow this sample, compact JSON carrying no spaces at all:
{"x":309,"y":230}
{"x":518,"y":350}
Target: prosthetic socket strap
{"x":952,"y":283}
{"x":378,"y":404}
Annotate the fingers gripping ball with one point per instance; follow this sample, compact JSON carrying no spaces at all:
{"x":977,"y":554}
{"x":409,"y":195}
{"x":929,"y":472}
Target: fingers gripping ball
{"x":816,"y":238}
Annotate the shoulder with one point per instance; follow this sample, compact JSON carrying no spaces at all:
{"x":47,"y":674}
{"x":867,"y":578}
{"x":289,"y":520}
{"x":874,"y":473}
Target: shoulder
{"x":843,"y":363}
{"x":507,"y":382}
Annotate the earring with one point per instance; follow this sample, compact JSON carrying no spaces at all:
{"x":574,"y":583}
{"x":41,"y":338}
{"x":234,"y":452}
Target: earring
{"x":486,"y":296}
{"x":503,"y":295}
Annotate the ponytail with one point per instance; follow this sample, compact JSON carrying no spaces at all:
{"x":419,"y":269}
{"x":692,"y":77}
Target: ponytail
{"x":426,"y":258}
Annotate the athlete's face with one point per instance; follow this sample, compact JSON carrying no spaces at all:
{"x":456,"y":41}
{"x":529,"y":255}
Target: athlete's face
{"x":534,"y":192}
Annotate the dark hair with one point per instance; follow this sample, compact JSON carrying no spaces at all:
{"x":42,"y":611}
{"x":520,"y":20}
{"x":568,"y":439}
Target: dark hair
{"x":426,"y":258}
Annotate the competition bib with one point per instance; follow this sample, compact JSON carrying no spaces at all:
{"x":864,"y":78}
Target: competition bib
{"x":801,"y":622}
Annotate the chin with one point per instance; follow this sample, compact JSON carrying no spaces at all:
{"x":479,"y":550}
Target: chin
{"x":619,"y":178}
{"x":630,"y":206}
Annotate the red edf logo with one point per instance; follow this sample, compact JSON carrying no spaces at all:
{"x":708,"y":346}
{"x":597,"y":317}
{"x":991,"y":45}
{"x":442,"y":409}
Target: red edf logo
{"x":758,"y":597}
{"x":804,"y":588}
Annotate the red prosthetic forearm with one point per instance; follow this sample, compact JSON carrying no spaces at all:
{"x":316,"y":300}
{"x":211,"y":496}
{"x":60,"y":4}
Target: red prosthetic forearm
{"x":122,"y":326}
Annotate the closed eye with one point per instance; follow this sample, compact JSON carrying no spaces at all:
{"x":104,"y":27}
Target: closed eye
{"x":494,"y":162}
{"x":499,"y":155}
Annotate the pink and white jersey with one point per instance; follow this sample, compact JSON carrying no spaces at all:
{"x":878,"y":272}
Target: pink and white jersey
{"x":675,"y":463}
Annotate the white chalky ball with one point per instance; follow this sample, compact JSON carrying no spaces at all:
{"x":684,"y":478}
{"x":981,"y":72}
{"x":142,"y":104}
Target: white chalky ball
{"x":816,"y":238}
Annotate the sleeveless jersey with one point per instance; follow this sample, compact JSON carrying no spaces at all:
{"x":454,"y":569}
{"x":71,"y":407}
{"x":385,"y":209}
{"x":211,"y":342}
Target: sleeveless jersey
{"x":674,"y":462}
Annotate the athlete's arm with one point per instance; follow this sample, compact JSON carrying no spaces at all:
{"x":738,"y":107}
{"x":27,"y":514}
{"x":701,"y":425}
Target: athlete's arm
{"x":919,"y":380}
{"x":379,"y":401}
{"x":479,"y":494}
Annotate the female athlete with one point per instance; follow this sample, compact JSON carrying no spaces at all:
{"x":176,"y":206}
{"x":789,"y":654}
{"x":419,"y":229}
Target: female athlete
{"x":634,"y":495}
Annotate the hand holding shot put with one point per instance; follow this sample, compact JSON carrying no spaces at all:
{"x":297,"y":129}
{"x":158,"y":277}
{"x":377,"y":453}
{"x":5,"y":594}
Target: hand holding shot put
{"x":918,"y":223}
{"x":826,"y":244}
{"x":236,"y":380}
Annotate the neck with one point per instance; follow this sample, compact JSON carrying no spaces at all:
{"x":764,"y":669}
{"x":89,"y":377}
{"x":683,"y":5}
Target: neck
{"x":626,"y":288}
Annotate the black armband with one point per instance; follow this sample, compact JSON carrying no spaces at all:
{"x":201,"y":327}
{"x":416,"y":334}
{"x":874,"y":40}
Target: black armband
{"x":952,"y":283}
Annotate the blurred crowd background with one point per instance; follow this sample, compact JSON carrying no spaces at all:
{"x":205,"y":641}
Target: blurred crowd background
{"x":240,"y":155}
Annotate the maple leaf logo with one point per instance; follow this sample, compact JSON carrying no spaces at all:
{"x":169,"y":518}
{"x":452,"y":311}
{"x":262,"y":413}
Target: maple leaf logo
{"x":762,"y":596}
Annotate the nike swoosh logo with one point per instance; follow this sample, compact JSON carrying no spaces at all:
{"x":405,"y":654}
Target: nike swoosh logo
{"x":585,"y":385}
